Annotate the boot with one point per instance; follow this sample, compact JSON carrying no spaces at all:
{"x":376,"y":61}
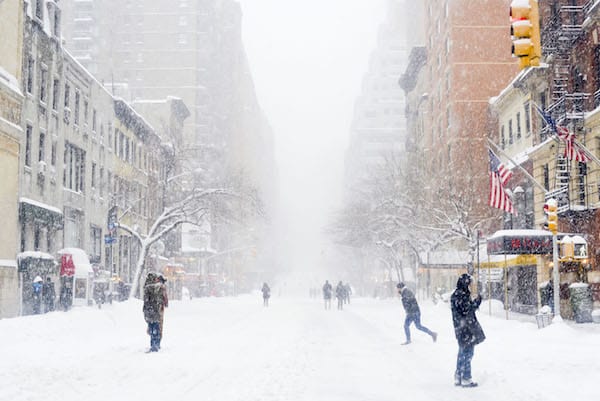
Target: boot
{"x":434,"y":336}
{"x":457,"y":381}
{"x":468,"y":383}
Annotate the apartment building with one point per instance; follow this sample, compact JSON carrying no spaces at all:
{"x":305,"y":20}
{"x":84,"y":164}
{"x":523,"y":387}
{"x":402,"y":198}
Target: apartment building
{"x":11,"y":101}
{"x":83,"y":152}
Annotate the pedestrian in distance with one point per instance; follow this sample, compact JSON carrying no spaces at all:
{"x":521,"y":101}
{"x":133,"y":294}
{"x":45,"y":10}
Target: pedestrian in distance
{"x":548,"y":295}
{"x":153,"y":302}
{"x":467,"y":329}
{"x":348,"y":293}
{"x":49,"y":294}
{"x":165,"y":303}
{"x":266,"y":294}
{"x":340,"y":294}
{"x":36,"y":294}
{"x":413,"y":313}
{"x":327,"y":290}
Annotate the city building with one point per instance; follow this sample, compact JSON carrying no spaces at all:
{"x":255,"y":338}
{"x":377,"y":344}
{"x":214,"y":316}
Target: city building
{"x":83,"y":153}
{"x":11,"y":102}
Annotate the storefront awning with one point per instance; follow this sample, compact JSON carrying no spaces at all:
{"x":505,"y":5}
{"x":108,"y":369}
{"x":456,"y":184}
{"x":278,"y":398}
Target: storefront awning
{"x":36,"y":263}
{"x":75,"y":262}
{"x":34,"y":210}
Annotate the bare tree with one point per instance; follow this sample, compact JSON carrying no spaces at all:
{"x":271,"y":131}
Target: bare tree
{"x":195,"y":207}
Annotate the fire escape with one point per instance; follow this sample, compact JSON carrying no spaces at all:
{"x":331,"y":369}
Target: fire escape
{"x":567,"y":102}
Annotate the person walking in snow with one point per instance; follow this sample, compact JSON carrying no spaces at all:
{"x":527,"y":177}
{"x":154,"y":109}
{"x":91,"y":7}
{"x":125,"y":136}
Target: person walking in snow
{"x":467,"y":329}
{"x":340,"y":294}
{"x":153,"y":302}
{"x":266,"y":293}
{"x":327,"y":290}
{"x":413,"y":313}
{"x":36,"y":294}
{"x":348,"y":292}
{"x":49,"y":294}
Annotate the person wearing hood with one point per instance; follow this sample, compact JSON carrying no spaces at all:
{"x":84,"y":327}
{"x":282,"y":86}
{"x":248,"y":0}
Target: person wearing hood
{"x":153,"y":302}
{"x":36,"y":294}
{"x":467,"y":329}
{"x":413,"y":313}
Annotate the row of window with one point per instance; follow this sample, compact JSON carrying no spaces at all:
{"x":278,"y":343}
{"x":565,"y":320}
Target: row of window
{"x":515,"y":130}
{"x":127,"y":149}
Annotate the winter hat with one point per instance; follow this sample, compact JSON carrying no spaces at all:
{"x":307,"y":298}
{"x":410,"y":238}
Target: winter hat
{"x":37,"y":279}
{"x":400,"y":285}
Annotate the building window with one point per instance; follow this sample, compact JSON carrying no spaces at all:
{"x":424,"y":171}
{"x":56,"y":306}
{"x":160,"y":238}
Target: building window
{"x":76,"y":114}
{"x":28,"y":135}
{"x":121,"y":144}
{"x":518,"y":125}
{"x":53,"y":153}
{"x":41,"y":150}
{"x":39,"y":9}
{"x":526,"y":111}
{"x":502,"y":138}
{"x":96,"y":243}
{"x":74,"y":168}
{"x":93,"y":175}
{"x":67,"y":95}
{"x":582,"y":173}
{"x":546,"y":177}
{"x":56,"y":22}
{"x":510,"y":132}
{"x":30,"y":73}
{"x":101,"y":182}
{"x":44,"y":85}
{"x":37,"y":237}
{"x":94,"y":116}
{"x":55,"y":94}
{"x":86,"y":111}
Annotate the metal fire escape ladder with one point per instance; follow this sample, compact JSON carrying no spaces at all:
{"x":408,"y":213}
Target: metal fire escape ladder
{"x":566,"y":108}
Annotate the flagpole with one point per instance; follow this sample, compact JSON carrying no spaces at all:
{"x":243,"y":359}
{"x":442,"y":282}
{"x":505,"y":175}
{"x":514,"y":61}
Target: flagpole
{"x":497,"y":148}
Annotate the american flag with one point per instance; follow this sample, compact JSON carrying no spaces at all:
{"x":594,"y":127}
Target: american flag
{"x":572,"y":150}
{"x":499,"y":175}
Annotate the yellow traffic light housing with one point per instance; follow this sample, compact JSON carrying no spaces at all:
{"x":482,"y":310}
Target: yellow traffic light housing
{"x":552,"y":215}
{"x":525,"y":32}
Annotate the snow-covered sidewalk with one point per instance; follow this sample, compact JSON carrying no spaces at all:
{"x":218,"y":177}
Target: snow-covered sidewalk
{"x":234,"y":349}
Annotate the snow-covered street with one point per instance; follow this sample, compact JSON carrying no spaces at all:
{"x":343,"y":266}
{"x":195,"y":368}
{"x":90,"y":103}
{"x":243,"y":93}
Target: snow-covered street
{"x":234,"y":349}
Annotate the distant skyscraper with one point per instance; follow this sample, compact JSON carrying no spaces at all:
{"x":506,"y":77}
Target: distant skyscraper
{"x":379,"y":124}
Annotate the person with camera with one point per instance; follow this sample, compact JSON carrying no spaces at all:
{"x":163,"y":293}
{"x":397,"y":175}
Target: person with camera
{"x":467,"y":329}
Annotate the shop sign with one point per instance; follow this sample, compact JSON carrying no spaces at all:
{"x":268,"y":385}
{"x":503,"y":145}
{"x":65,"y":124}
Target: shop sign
{"x":520,"y":244}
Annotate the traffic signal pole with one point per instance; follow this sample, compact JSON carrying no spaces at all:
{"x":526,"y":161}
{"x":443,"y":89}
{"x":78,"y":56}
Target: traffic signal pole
{"x":556,"y":278}
{"x":551,"y":208}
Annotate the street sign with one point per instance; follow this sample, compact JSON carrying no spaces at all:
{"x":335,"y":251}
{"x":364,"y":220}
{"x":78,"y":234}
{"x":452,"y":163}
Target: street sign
{"x":109,"y":240}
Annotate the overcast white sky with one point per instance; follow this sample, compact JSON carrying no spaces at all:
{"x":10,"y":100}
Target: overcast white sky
{"x":308,"y":58}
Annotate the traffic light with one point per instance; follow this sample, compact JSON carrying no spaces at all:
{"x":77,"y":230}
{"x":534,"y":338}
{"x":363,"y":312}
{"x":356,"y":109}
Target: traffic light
{"x":525,"y":32}
{"x":550,"y":208}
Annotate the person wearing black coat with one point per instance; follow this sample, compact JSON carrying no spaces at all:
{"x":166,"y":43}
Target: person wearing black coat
{"x":266,"y":292}
{"x":467,"y":329}
{"x":413,"y":313}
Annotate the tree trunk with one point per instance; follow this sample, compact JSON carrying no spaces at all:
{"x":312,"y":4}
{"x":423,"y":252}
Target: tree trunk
{"x":139,"y":268}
